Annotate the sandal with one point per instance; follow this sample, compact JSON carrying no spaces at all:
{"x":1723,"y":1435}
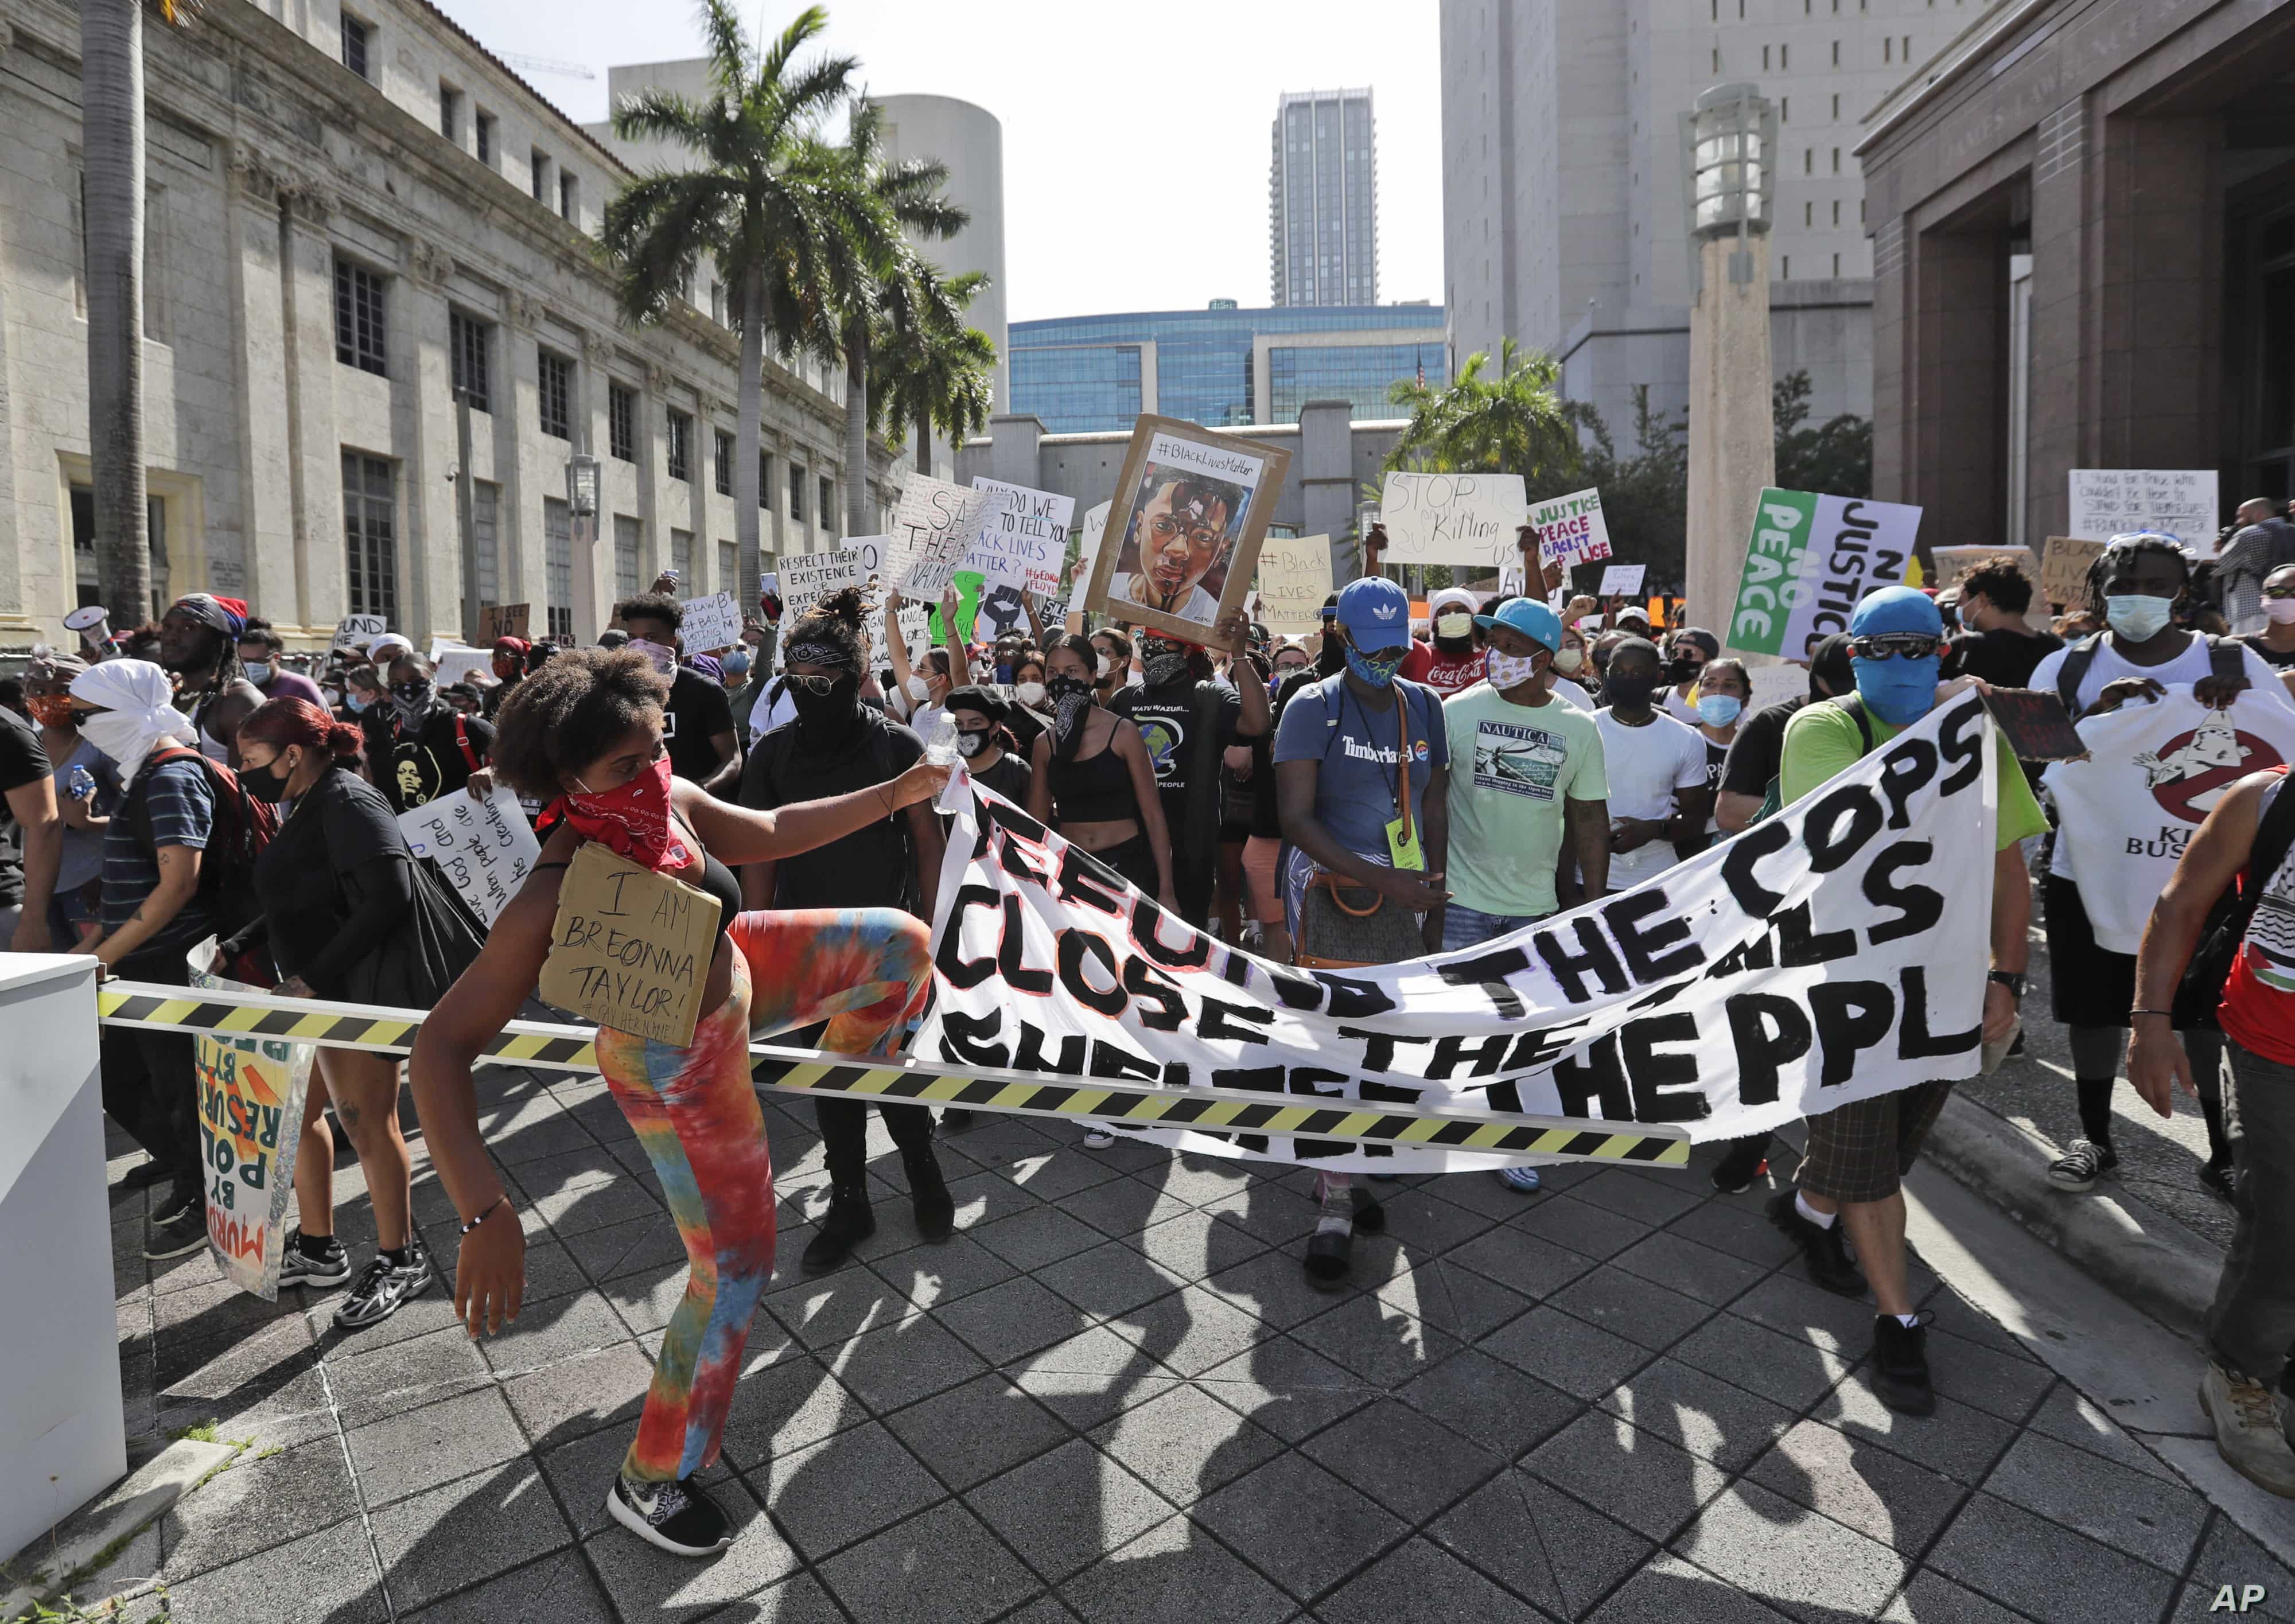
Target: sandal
{"x":1330,"y":1259}
{"x":1370,"y":1218}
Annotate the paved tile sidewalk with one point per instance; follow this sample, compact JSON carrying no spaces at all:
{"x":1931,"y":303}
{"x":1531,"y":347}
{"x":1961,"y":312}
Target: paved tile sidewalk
{"x":1113,"y":1397}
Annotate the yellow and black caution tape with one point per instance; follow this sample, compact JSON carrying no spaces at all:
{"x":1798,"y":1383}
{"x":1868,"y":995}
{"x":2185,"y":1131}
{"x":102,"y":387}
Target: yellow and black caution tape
{"x":804,"y":1071}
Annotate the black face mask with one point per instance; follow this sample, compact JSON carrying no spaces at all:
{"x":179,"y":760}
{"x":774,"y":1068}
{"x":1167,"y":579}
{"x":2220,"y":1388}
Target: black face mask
{"x":1161,"y":666}
{"x":262,"y":784}
{"x":824,"y":719}
{"x":1632,"y":689}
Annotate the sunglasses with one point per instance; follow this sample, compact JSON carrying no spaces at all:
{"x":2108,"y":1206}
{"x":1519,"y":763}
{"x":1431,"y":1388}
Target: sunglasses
{"x":1888,"y":645}
{"x":812,"y":684}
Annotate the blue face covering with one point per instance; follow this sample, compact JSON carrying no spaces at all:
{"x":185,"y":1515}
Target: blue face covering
{"x":2136,"y":617}
{"x":1377,"y":672}
{"x":1899,"y":691}
{"x":1719,"y":710}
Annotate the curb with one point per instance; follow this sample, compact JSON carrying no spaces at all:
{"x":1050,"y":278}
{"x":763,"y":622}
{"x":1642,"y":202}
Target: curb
{"x":2144,"y":1255}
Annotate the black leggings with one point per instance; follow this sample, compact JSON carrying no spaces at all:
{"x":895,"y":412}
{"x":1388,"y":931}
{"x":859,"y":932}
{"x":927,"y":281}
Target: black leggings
{"x":150,"y":1087}
{"x":2096,"y":1064}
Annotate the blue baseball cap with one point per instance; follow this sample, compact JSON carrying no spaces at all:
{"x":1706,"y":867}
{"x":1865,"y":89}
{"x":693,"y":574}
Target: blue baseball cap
{"x":1529,"y":617}
{"x":1375,"y":613}
{"x":1896,"y":608}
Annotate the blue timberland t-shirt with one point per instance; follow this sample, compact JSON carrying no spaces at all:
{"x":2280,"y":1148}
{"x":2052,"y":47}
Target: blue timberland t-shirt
{"x":1355,"y":793}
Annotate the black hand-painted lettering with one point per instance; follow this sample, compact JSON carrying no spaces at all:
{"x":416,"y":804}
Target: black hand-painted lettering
{"x":1664,"y":1086}
{"x":1918,"y":907}
{"x":1075,"y":947}
{"x":1595,"y":954}
{"x":1595,"y":1080}
{"x":1352,"y":999}
{"x":1765,"y":839}
{"x":1238,"y":1021}
{"x":1489,"y":972}
{"x":958,"y":971}
{"x":966,"y":1039}
{"x":1482,"y":1056}
{"x":1145,"y":983}
{"x":1147,"y":923}
{"x":1850,"y":1015}
{"x":1905,"y":766}
{"x":1961,"y":742}
{"x":1378,"y":1047}
{"x":1651,"y":954}
{"x":1914,"y":1040}
{"x":1838,"y":827}
{"x":1800,"y":945}
{"x":1028,"y":1054}
{"x":1769,"y":1032}
{"x":1010,"y":947}
{"x":1084,"y":878}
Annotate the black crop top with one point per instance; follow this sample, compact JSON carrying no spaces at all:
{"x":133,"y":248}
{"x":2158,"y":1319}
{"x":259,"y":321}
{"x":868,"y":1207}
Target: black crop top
{"x":1093,"y":789}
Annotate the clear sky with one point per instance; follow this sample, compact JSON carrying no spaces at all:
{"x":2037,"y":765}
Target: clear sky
{"x":1105,"y":108}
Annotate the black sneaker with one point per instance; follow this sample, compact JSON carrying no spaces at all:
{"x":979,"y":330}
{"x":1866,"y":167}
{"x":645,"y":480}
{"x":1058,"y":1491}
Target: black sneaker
{"x":2222,"y":1179}
{"x":179,"y":1230}
{"x":678,"y":1516}
{"x":2078,"y":1168}
{"x":1821,"y":1248}
{"x":298,"y":1267}
{"x":1901,"y":1365}
{"x":382,"y":1288}
{"x":144,"y":1175}
{"x":1742,"y":1165}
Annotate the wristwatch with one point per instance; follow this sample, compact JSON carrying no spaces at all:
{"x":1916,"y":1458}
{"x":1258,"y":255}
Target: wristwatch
{"x":2013,"y":980}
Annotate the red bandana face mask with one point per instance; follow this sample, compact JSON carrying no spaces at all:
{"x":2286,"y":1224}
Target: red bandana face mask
{"x":633,"y":820}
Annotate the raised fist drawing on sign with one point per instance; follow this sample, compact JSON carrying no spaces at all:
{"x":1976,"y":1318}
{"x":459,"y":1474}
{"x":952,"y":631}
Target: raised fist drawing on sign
{"x":1003,"y":607}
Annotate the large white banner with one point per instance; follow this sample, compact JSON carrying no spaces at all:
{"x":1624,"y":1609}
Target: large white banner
{"x":1834,"y":951}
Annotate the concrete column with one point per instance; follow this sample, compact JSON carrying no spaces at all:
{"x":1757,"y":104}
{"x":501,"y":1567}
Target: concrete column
{"x":593,"y":535}
{"x":1957,"y":411}
{"x":523,"y":461}
{"x":314,"y":447}
{"x":1732,"y":436}
{"x":1013,"y":455}
{"x":1890,"y":337}
{"x":256,"y":531}
{"x":2059,"y":369}
{"x":422,"y":397}
{"x":1323,"y":467}
{"x":2158,"y":279}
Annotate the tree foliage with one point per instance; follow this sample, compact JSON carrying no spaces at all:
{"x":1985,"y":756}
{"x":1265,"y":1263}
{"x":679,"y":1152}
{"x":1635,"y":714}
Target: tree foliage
{"x":1833,"y":458}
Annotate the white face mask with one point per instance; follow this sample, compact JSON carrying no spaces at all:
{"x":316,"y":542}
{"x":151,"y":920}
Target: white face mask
{"x":1107,"y":666}
{"x":2281,"y":609}
{"x":1030,"y":694}
{"x":1454,"y":626}
{"x":1569,"y":660}
{"x":1507,"y":671}
{"x":918,"y":689}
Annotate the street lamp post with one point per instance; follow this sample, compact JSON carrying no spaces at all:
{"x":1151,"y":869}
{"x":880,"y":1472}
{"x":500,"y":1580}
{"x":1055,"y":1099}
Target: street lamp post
{"x":582,"y":538}
{"x":1728,"y":147}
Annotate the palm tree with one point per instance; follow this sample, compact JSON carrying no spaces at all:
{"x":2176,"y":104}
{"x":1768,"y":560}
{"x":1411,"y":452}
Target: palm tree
{"x":1516,"y":423}
{"x":928,"y":369}
{"x":763,"y":196}
{"x":111,"y":210}
{"x":908,"y":192}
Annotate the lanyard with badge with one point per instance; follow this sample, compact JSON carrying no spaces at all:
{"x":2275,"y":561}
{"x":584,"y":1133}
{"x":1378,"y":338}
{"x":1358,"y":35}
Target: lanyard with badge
{"x":1402,"y":845}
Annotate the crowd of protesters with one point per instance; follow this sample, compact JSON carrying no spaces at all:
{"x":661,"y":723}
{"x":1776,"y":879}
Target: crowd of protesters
{"x":1367,"y":792}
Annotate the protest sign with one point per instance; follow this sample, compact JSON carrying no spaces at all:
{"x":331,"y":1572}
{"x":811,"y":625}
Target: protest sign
{"x":486,"y":848}
{"x":811,"y":576}
{"x":2064,"y":569}
{"x":354,"y":630}
{"x":1571,"y":529}
{"x":1452,"y":519}
{"x":1295,"y":577}
{"x":1002,"y":611}
{"x":1025,"y":540}
{"x":1834,"y":951}
{"x":503,"y":620}
{"x":934,"y":529}
{"x":459,"y":662}
{"x":1622,"y":580}
{"x":630,"y":949}
{"x":2182,"y":503}
{"x":1774,"y":684}
{"x":251,"y":1092}
{"x":2152,"y":774}
{"x":707,"y":625}
{"x":1810,"y":559}
{"x":1183,"y":533}
{"x":2035,"y":723}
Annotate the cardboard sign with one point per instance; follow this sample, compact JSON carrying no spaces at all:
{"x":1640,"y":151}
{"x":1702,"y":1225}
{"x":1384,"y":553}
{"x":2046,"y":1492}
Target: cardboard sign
{"x":707,"y":625}
{"x":1026,"y":539}
{"x":250,"y":1101}
{"x":2181,"y":502}
{"x":485,"y":849}
{"x":630,"y":949}
{"x":1183,"y":532}
{"x":1571,"y":529}
{"x":1810,"y":559}
{"x":1295,"y":577}
{"x":1775,"y":684}
{"x":1453,"y":519}
{"x":2065,"y":566}
{"x":353,"y":630}
{"x":2035,"y":724}
{"x":811,"y":576}
{"x":503,"y":620}
{"x":935,"y":528}
{"x":1622,"y":580}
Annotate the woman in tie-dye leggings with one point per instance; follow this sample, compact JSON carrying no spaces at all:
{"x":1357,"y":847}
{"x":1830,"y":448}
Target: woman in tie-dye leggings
{"x":588,"y":727}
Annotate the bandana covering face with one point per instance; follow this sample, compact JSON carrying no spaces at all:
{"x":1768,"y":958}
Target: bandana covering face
{"x":139,"y":713}
{"x":631,"y":821}
{"x":1071,"y":704}
{"x":663,"y":657}
{"x":414,"y":703}
{"x":1508,"y":670}
{"x":1163,"y":665}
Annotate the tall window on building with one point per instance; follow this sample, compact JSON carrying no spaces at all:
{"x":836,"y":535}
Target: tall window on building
{"x":797,"y":495}
{"x":681,"y":559}
{"x":450,"y":111}
{"x":680,"y":425}
{"x":88,"y":578}
{"x":356,"y":36}
{"x":622,"y":423}
{"x":725,"y":461}
{"x":482,"y":131}
{"x":538,"y":163}
{"x":467,"y":340}
{"x":569,"y":198}
{"x":625,"y":556}
{"x":370,"y":537}
{"x":361,"y":333}
{"x":555,"y":394}
{"x":485,"y":507}
{"x":828,"y":507}
{"x":557,"y":566}
{"x":728,"y":567}
{"x":765,"y":481}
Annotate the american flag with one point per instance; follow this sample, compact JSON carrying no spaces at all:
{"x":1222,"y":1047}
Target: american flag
{"x":1422,"y":372}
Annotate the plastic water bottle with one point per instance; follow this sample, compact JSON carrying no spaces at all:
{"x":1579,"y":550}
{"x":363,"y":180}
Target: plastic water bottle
{"x":940,"y":742}
{"x":82,"y":783}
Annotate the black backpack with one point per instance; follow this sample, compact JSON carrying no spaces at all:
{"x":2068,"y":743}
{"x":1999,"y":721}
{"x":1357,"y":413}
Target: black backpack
{"x":2226,"y":659}
{"x":243,"y":828}
{"x":2201,"y":990}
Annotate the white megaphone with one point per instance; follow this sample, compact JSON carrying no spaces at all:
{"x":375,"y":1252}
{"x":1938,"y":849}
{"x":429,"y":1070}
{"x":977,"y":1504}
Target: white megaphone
{"x":93,"y":622}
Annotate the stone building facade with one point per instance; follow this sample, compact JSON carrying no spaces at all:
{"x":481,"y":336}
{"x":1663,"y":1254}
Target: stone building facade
{"x":355,"y":212}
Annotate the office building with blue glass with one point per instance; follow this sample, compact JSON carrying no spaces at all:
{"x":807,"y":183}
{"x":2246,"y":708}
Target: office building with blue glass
{"x":1221,"y":367}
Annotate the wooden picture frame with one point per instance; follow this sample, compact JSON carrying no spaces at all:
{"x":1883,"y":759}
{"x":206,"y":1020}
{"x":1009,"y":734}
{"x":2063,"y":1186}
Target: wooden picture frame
{"x":1169,"y":452}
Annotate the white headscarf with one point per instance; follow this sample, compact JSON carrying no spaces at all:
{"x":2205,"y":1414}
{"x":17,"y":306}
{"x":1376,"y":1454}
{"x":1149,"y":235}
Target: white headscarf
{"x":139,"y":712}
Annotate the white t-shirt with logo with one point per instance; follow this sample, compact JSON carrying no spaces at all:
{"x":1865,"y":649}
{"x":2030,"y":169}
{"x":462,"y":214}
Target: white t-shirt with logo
{"x":1646,"y":766}
{"x":2192,"y":666}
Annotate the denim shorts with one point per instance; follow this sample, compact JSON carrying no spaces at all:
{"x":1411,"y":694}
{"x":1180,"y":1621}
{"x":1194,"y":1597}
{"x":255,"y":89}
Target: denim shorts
{"x":1464,"y":927}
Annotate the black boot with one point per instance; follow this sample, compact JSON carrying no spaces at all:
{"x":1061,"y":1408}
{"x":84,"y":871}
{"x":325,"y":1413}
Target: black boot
{"x":935,"y":1208}
{"x":1820,"y":1247}
{"x":848,"y":1222}
{"x":1900,"y":1366}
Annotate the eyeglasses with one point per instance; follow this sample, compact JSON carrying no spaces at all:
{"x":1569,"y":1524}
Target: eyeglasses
{"x":812,"y":684}
{"x":1888,"y":645}
{"x":1164,"y":528}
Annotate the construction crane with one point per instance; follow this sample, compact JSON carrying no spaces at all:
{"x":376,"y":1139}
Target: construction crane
{"x":542,"y":64}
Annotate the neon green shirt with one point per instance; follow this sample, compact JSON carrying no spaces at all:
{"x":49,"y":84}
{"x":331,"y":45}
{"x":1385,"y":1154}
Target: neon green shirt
{"x":1823,"y":739}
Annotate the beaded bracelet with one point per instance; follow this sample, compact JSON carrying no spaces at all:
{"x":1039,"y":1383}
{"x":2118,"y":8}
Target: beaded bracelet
{"x":499,"y":1201}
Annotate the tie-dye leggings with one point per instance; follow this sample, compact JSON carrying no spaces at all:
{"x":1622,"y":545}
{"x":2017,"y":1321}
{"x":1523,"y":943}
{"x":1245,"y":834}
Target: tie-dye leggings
{"x":865,"y":971}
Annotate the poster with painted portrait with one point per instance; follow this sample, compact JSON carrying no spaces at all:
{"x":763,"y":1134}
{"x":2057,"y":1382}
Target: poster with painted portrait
{"x":1183,"y":535}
